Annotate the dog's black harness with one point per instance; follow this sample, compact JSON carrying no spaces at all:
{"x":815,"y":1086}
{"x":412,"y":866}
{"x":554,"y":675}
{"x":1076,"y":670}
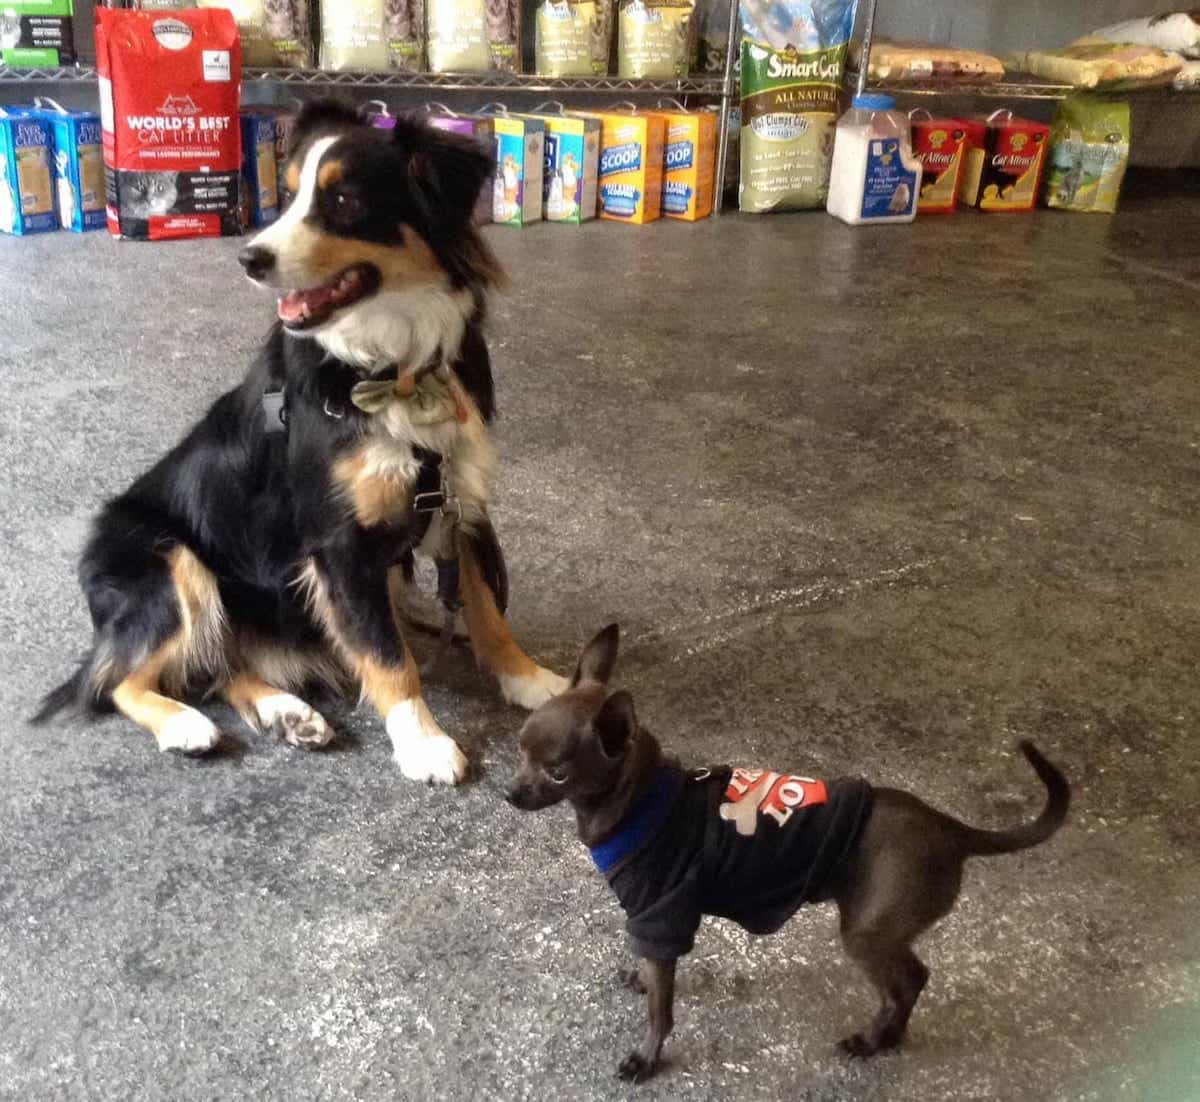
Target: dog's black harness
{"x":432,"y":494}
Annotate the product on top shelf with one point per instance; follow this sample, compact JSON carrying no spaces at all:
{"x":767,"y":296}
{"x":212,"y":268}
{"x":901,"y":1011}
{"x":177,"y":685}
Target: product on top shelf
{"x":36,"y":33}
{"x":78,"y":165}
{"x":689,"y":162}
{"x":1176,"y":32}
{"x":260,"y":171}
{"x":940,"y":144}
{"x":573,"y":38}
{"x":793,"y":59}
{"x":922,"y":61}
{"x":504,"y":34}
{"x":457,"y":35}
{"x":631,"y":165}
{"x":712,"y":33}
{"x":404,"y":31}
{"x":169,"y":121}
{"x":655,"y":39}
{"x":1101,"y":65}
{"x":874,"y":177}
{"x":352,"y":35}
{"x":520,"y":156}
{"x":1006,"y":156}
{"x":1089,"y":150}
{"x":26,"y":187}
{"x":569,"y":173}
{"x":275,"y":33}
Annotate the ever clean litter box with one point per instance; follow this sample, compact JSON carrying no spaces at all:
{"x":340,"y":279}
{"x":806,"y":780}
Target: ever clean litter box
{"x":874,"y":176}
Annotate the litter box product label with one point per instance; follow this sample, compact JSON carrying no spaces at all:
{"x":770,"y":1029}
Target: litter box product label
{"x":689,"y":161}
{"x":570,"y":168}
{"x":26,"y":186}
{"x":631,"y":167}
{"x":36,"y":33}
{"x":520,"y":153}
{"x":890,"y":189}
{"x":940,"y":146}
{"x":793,"y":60}
{"x":169,"y":122}
{"x":260,"y":175}
{"x":78,"y":169}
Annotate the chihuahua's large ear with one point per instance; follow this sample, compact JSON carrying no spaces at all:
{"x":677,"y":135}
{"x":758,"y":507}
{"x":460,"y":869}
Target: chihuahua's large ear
{"x":599,"y":657}
{"x":615,"y":723}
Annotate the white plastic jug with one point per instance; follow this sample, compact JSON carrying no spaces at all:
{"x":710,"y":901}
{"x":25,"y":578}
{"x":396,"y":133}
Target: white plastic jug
{"x":874,"y":176}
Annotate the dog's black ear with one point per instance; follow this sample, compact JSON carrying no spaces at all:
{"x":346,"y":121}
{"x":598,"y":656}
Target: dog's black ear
{"x":447,"y":169}
{"x":321,"y":116}
{"x":615,"y":723}
{"x":599,"y":657}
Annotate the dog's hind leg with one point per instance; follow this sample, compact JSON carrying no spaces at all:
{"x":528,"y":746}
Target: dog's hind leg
{"x":899,"y":976}
{"x":174,"y":726}
{"x":189,"y":639}
{"x":268,"y":709}
{"x":522,"y":681}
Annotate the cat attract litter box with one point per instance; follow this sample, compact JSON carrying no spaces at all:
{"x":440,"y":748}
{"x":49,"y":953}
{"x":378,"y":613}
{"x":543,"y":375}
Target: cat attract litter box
{"x":169,"y":122}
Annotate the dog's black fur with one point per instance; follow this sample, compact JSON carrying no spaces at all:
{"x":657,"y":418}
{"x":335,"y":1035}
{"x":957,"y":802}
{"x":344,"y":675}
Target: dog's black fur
{"x":253,"y":506}
{"x":904,"y":874}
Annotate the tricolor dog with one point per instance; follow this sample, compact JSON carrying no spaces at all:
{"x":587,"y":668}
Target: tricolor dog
{"x":751,"y":845}
{"x":274,"y":545}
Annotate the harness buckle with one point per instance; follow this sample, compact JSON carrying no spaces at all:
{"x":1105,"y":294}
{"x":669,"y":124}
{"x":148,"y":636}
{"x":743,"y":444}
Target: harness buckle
{"x":274,"y":411}
{"x":432,"y":501}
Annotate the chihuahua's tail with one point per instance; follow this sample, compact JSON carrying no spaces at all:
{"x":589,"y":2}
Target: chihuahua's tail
{"x":1058,"y":800}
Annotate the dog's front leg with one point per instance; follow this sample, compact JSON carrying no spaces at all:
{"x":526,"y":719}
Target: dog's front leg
{"x":522,"y":681}
{"x":349,"y":594}
{"x":658,"y":976}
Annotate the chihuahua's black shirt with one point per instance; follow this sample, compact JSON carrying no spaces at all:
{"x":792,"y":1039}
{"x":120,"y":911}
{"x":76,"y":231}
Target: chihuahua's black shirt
{"x":744,"y":844}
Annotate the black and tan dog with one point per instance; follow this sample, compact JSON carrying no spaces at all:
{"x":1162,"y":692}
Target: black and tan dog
{"x":752,"y":846}
{"x":274,"y":545}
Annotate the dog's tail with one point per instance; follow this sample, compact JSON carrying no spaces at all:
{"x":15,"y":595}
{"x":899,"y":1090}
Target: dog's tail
{"x":1058,"y":800}
{"x":78,"y":695}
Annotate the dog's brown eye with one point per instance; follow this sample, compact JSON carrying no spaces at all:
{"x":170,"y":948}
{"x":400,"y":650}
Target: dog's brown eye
{"x":558,"y":774}
{"x":348,"y":206}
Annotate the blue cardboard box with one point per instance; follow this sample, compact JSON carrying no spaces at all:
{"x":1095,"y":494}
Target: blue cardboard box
{"x":78,"y":167}
{"x":26,"y":183}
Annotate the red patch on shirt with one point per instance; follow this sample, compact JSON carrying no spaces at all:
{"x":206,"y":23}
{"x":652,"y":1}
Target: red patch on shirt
{"x":751,"y":792}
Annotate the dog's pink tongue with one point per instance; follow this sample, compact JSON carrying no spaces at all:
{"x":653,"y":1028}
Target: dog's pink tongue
{"x":299,"y":305}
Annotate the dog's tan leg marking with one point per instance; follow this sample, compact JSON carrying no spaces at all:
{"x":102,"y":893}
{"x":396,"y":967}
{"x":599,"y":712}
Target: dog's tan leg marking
{"x":522,"y":681}
{"x":198,"y":644}
{"x":421,"y":748}
{"x":174,"y":726}
{"x":266,"y":708}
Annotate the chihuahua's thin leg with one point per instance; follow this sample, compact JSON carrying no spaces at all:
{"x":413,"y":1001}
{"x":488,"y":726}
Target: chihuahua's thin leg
{"x":659,"y":978}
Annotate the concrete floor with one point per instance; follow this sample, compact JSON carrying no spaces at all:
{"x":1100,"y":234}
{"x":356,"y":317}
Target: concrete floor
{"x":878,"y":501}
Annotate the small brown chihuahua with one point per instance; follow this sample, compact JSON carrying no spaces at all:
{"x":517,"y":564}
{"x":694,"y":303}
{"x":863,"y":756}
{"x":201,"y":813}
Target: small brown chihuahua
{"x":752,"y":846}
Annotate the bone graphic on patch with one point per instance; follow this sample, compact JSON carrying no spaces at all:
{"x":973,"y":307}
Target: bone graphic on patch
{"x":742,"y":810}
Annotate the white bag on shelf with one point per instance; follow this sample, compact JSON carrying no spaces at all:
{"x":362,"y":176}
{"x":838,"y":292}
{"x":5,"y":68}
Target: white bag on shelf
{"x":1177,"y":32}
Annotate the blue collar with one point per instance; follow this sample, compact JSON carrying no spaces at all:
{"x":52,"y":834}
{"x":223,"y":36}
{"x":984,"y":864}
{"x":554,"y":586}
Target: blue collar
{"x":642,"y":821}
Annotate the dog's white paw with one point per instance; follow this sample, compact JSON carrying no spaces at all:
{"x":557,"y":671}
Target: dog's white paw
{"x":422,"y":749}
{"x":188,"y":732}
{"x":293,"y":721}
{"x":533,"y":691}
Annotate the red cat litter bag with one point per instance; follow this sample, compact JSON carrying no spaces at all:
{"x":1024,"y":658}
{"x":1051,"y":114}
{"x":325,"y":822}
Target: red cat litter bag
{"x":169,"y":94}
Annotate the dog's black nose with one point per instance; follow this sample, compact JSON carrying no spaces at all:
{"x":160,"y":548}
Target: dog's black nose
{"x":257,"y":260}
{"x":514,"y":796}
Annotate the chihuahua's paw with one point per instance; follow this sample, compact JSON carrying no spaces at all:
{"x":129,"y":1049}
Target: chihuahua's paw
{"x":860,"y":1045}
{"x":422,"y":749}
{"x":532,"y":690}
{"x":635,"y":1068}
{"x":289,"y":718}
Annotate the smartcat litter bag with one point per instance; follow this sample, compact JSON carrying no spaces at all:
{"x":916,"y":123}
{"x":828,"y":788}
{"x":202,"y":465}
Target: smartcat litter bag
{"x":793,"y":59}
{"x":169,"y":121}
